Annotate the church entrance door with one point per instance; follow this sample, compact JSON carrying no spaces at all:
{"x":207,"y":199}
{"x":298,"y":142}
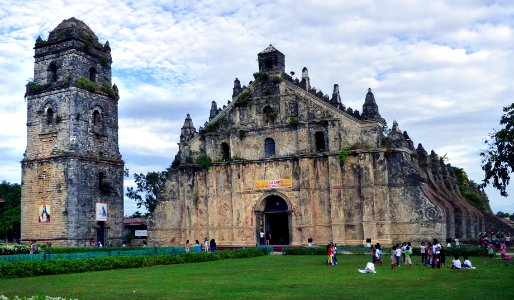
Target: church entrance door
{"x":100,"y":233}
{"x":276,"y":220}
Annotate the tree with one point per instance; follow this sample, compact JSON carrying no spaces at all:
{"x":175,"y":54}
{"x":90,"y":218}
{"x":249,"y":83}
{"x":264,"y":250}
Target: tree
{"x":501,"y":214}
{"x":137,"y":214}
{"x":10,"y":211}
{"x":147,"y":190}
{"x":498,"y":158}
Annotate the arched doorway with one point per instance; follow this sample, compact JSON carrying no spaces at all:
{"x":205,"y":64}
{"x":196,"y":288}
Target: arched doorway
{"x":100,"y":232}
{"x":275,"y":219}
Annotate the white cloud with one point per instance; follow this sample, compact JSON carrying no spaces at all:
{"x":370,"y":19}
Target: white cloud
{"x":443,"y":69}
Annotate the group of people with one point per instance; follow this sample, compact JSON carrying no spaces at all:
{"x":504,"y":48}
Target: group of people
{"x":97,"y":244}
{"x":207,"y":246}
{"x":457,"y":264}
{"x":490,"y":238}
{"x":264,"y":238}
{"x":433,"y":254}
{"x":376,"y":254}
{"x":401,"y":255}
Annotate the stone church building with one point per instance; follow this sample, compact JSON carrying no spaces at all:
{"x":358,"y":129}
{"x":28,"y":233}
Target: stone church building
{"x":286,"y":159}
{"x":72,"y":171}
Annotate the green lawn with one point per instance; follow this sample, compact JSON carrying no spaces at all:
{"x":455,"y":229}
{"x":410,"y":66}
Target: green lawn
{"x":276,"y":276}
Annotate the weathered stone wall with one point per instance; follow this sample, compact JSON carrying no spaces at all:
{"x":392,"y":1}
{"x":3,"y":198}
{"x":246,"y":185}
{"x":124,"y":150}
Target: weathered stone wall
{"x":69,"y":186}
{"x":354,"y":202}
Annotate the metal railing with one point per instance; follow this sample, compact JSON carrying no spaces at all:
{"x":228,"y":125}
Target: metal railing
{"x":48,"y":255}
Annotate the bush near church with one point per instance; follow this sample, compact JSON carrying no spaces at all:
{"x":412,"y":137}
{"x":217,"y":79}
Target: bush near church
{"x":50,"y":267}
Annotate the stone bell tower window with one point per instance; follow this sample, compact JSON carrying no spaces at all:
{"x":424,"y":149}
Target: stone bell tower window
{"x":320,"y":141}
{"x":101,"y":181}
{"x":52,"y":72}
{"x":92,"y":75}
{"x":225,"y":151}
{"x":49,"y":116}
{"x":269,"y":147}
{"x":97,"y":120}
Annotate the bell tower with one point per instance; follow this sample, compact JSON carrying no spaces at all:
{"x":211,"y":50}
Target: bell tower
{"x":271,"y":60}
{"x":72,"y":170}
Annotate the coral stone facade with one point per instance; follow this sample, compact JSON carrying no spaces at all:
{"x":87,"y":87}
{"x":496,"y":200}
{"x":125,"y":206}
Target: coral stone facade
{"x":72,"y":172}
{"x":297,"y":164}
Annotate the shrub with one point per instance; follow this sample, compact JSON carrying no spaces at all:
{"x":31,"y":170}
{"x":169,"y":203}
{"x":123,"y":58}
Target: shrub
{"x":343,"y":155}
{"x":67,"y":250}
{"x":91,"y":86}
{"x":260,"y":76}
{"x":210,"y":127}
{"x":203,"y":161}
{"x":14,"y":249}
{"x":305,"y":251}
{"x":276,"y":79}
{"x":34,"y":88}
{"x":109,"y":91}
{"x":85,"y":83}
{"x":270,"y":113}
{"x":243,"y":99}
{"x":48,"y":267}
{"x":474,"y":198}
{"x":292,"y":121}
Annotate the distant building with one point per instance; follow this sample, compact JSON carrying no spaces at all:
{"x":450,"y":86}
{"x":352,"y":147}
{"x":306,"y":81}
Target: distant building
{"x":72,"y":171}
{"x":135,"y":226}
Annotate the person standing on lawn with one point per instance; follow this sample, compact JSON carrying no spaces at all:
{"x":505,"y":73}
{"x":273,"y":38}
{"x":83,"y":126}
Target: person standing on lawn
{"x":436,"y":248}
{"x":393,"y":257}
{"x":329,"y":255}
{"x":404,"y":247}
{"x":206,"y":245}
{"x":187,"y":246}
{"x":398,"y":255}
{"x":423,"y":252}
{"x":334,"y":254}
{"x":503,"y":250}
{"x":408,"y":252}
{"x":261,"y":237}
{"x":378,"y":254}
{"x":430,"y":252}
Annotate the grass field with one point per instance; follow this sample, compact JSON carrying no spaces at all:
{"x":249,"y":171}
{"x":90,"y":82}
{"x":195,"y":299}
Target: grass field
{"x":274,"y":277}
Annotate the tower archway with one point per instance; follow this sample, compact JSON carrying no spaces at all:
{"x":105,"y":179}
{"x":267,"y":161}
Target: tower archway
{"x":273,"y":216}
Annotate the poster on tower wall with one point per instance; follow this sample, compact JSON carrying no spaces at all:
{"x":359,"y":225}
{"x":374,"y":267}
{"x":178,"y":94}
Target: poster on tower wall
{"x":101,"y":212}
{"x":44,"y":213}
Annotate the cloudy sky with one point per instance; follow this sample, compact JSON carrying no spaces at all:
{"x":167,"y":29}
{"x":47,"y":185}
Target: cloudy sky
{"x":442,"y":69}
